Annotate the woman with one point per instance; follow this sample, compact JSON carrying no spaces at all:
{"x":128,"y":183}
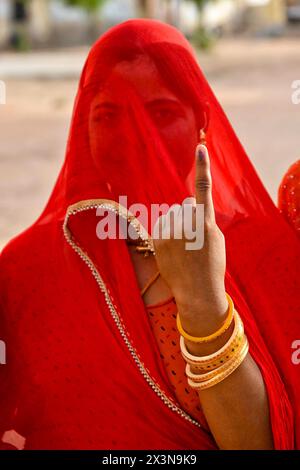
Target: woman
{"x":90,"y":322}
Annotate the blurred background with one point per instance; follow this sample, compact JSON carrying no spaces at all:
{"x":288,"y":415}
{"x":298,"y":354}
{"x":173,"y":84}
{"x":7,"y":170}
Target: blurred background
{"x":248,"y":49}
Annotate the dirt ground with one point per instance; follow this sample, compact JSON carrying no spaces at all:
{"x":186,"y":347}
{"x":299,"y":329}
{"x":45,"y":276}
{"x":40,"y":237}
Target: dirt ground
{"x":252,"y":79}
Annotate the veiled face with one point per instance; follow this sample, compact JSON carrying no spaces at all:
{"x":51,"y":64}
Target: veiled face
{"x":174,"y":119}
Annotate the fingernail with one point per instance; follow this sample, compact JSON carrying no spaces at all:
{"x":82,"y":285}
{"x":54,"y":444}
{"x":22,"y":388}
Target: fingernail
{"x":201,"y":152}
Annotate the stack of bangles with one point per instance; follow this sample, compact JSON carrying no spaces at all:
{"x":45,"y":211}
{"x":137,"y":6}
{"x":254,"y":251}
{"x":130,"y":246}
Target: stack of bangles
{"x":218,"y":366}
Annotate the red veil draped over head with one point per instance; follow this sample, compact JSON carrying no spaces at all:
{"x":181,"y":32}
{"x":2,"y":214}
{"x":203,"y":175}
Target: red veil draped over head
{"x":83,"y":366}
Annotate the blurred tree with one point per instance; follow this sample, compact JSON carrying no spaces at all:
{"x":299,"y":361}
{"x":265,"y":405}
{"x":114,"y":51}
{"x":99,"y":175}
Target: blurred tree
{"x":148,"y":8}
{"x":89,"y":5}
{"x":19,"y":17}
{"x":201,"y":37}
{"x":201,"y":3}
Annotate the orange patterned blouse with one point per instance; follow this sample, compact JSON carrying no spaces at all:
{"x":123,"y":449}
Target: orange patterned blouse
{"x":163,"y":321}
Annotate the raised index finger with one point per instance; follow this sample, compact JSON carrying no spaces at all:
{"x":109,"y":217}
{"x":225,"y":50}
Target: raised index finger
{"x":203,"y":182}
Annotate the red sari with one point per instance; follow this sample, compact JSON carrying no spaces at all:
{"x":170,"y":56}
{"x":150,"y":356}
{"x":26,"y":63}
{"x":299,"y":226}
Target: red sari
{"x":84,"y":370}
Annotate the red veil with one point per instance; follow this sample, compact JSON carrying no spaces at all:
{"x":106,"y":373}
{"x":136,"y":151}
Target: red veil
{"x":83,"y":366}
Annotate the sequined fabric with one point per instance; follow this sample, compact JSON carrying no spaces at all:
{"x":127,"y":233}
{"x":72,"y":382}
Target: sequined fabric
{"x":163,"y":321}
{"x":289,"y":196}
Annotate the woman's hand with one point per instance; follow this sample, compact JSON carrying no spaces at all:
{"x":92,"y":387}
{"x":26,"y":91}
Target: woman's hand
{"x":195,"y":276}
{"x":236,"y":409}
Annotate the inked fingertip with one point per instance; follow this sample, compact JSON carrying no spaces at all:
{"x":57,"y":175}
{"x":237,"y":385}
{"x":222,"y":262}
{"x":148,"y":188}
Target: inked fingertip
{"x":201,"y":152}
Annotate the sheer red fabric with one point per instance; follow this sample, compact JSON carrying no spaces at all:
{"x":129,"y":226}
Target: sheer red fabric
{"x":83,"y":366}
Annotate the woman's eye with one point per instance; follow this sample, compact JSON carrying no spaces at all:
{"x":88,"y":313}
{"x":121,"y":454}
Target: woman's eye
{"x":163,"y":112}
{"x":105,"y":116}
{"x":164,"y":115}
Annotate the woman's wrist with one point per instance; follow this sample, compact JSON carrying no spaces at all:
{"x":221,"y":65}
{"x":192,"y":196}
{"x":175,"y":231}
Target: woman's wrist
{"x":200,"y":319}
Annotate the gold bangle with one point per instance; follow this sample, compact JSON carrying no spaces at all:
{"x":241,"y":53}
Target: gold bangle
{"x":222,"y":376}
{"x":212,"y":361}
{"x":216,"y":334}
{"x":203,"y":377}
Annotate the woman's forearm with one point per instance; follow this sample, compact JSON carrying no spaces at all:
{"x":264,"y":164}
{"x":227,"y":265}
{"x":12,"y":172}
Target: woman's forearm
{"x":236,"y":409}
